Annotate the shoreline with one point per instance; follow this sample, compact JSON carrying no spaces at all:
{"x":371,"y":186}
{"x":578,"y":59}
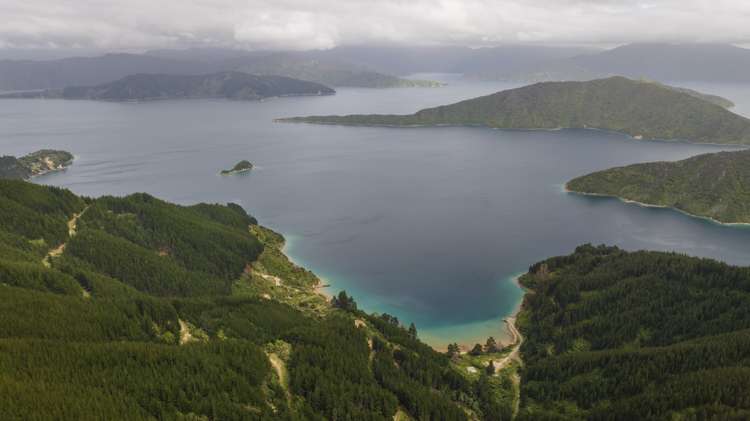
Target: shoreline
{"x":437,"y":342}
{"x":639,"y":138}
{"x":60,"y":168}
{"x":651,"y":205}
{"x":320,"y":287}
{"x":498,"y":327}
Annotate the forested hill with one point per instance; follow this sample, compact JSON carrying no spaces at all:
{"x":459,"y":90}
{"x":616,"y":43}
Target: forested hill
{"x":639,"y":108}
{"x":711,"y":185}
{"x":230,"y":85}
{"x":136,"y":309}
{"x":612,"y":335}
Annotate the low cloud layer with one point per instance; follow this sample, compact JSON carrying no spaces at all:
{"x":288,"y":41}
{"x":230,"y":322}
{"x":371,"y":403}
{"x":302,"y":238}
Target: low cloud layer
{"x":304,"y":24}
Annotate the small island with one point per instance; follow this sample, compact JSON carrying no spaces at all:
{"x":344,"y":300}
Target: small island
{"x":240,"y":167}
{"x":34,"y":164}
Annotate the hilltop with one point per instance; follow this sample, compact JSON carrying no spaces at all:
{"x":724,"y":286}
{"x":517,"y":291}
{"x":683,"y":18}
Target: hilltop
{"x":639,"y":108}
{"x":143,"y":87}
{"x":714,"y":185}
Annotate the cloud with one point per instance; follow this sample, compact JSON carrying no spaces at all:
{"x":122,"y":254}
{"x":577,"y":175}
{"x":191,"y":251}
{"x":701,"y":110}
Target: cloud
{"x":304,"y":24}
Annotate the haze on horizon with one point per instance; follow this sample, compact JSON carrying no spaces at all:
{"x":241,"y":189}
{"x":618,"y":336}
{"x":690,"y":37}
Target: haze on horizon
{"x":83,"y":26}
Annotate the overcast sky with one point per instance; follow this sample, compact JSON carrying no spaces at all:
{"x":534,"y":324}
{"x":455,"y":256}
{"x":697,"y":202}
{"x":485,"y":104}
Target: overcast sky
{"x":303,"y":24}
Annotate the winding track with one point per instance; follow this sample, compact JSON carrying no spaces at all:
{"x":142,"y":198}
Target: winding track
{"x":57,"y":251}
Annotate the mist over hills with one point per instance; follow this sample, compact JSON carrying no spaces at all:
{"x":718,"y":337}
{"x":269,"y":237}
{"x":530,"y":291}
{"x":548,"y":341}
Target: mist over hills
{"x":17,"y":75}
{"x":384,"y":66}
{"x":663,"y":62}
{"x":77,"y":71}
{"x":478,"y":62}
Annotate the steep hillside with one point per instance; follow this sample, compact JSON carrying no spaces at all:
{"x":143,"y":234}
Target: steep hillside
{"x":612,"y":335}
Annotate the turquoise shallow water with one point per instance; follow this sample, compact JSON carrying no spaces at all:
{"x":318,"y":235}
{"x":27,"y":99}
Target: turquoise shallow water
{"x":429,"y":224}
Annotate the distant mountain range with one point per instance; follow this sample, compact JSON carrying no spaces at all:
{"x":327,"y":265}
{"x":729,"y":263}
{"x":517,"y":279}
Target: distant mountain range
{"x":377,"y":67}
{"x":323,"y":70}
{"x":662,"y":62}
{"x":715,"y":185}
{"x":641,"y":109}
{"x":144,"y":87}
{"x":89,"y":71}
{"x":487,"y":62}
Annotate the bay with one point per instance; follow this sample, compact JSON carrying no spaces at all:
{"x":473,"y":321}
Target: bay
{"x":428,"y":224}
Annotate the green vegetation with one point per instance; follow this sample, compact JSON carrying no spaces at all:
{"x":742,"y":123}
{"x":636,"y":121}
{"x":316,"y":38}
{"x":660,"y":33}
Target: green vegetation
{"x":715,"y":185}
{"x":33,"y":164}
{"x":641,"y":109}
{"x":135,"y":308}
{"x":642,"y":335}
{"x":242,"y":166}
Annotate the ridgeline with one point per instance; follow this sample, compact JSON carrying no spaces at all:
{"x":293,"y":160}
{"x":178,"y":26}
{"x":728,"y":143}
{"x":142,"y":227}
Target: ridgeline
{"x":642,"y":109}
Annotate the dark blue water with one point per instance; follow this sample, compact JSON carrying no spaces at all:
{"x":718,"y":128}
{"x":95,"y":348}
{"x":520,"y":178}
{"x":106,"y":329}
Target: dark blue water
{"x":429,"y":224}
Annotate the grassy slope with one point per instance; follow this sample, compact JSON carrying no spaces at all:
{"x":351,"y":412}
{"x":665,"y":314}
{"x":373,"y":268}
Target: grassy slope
{"x":712,"y":185}
{"x":619,"y":104}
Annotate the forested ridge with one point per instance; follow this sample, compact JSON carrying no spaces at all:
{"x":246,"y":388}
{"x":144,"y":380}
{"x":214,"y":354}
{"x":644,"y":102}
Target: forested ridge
{"x":638,"y":108}
{"x":715,"y":185}
{"x":635,"y":335}
{"x":157,"y":311}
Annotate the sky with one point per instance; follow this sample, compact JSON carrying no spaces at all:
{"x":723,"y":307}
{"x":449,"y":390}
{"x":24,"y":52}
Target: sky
{"x":131,"y":25}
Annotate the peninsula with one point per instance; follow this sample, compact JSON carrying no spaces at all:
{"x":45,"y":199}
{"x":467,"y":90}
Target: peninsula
{"x":147,"y":87}
{"x":34,"y":164}
{"x":641,"y":109}
{"x":240,"y":167}
{"x":715,"y":186}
